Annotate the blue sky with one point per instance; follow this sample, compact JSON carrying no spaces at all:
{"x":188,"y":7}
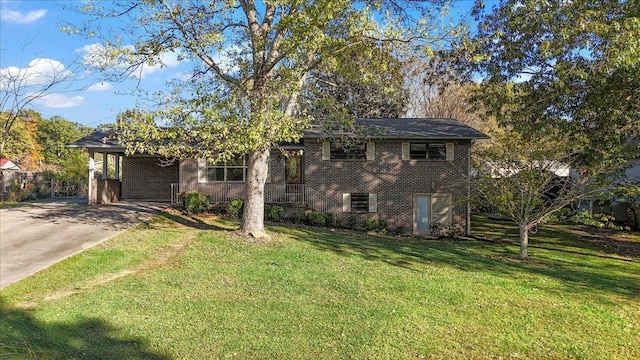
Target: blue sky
{"x":31,"y":40}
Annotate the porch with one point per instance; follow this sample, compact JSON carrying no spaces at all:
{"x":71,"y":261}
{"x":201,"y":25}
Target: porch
{"x":273,"y":194}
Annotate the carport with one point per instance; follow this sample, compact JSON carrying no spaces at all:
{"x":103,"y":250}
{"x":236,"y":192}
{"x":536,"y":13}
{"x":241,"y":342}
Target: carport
{"x":115,"y":176}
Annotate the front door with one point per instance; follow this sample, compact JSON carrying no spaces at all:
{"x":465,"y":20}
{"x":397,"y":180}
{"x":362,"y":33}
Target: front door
{"x":293,"y":174}
{"x":421,"y":214}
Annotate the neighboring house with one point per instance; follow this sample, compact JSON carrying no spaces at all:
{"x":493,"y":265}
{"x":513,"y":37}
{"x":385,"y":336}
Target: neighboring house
{"x":409,"y":172}
{"x":618,"y":207}
{"x":6,"y":164}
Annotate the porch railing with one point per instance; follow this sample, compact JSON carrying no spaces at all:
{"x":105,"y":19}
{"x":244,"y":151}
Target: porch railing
{"x":273,"y":194}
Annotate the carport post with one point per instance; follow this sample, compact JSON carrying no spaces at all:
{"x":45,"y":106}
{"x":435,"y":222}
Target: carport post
{"x":92,"y":167}
{"x":105,"y":164}
{"x":117,"y":166}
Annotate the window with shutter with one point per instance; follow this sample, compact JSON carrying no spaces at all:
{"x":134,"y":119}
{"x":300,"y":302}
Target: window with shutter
{"x":431,"y":151}
{"x":359,"y":202}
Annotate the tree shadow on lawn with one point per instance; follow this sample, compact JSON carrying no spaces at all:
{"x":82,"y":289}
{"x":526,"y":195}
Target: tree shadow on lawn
{"x":187,"y":220}
{"x":24,"y":337}
{"x":581,"y":273}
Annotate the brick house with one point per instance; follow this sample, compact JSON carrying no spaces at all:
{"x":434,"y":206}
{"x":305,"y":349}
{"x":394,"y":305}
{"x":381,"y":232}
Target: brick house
{"x":408,"y":172}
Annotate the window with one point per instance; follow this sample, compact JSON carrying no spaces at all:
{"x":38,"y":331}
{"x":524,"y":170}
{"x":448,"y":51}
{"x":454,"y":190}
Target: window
{"x":351,"y":151}
{"x":359,"y":202}
{"x":235,"y":170}
{"x":432,"y":151}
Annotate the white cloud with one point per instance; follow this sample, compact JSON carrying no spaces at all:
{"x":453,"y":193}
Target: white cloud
{"x":102,"y":86}
{"x":18,"y":17}
{"x":40,"y":72}
{"x":102,"y":57}
{"x":59,"y":101}
{"x":168,"y":60}
{"x":182,"y":76}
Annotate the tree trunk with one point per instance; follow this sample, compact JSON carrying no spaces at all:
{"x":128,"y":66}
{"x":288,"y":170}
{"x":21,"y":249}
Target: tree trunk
{"x":253,"y":214}
{"x":524,"y":240}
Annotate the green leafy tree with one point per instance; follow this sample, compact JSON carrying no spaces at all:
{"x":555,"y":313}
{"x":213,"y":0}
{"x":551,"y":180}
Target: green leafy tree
{"x":21,"y":143}
{"x":252,"y":59}
{"x":560,"y":77}
{"x":526,"y":181}
{"x":54,"y":133}
{"x":346,"y":86}
{"x":567,"y":65}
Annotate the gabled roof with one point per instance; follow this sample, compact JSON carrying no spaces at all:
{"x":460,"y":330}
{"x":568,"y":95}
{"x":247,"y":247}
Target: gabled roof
{"x":98,"y":140}
{"x":6,"y":164}
{"x":410,"y":129}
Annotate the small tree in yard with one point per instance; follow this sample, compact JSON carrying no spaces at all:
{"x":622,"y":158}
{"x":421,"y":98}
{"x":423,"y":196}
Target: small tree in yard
{"x":526,"y":181}
{"x":251,"y":60}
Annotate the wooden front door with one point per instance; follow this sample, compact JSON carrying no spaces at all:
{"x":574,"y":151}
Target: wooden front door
{"x":293,"y":174}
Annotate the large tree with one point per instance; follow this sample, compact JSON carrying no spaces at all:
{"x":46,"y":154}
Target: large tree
{"x":251,"y":59}
{"x":54,"y":133}
{"x":362,"y":81}
{"x":562,"y":78}
{"x":21,"y":141}
{"x":569,"y":65}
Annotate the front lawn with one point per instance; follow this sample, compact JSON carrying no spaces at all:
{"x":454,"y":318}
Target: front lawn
{"x":187,"y":288}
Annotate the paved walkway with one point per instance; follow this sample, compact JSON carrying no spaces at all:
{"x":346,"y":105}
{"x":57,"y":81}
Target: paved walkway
{"x":38,"y":235}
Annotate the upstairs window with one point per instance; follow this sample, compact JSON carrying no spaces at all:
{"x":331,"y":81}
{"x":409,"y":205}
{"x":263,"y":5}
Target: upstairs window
{"x":351,"y":151}
{"x":431,"y":151}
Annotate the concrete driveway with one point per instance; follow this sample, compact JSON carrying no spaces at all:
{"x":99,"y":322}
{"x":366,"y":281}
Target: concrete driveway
{"x":38,"y":235}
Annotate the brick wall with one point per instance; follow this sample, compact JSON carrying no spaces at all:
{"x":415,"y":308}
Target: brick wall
{"x":395,"y":181}
{"x":143,"y":179}
{"x":189,"y":179}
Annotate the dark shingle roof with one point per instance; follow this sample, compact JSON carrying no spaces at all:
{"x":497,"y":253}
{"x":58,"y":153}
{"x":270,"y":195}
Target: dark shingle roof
{"x":411,"y":128}
{"x":98,"y":140}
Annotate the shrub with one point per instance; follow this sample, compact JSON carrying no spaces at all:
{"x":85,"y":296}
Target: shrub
{"x":446,"y":231}
{"x":234,"y":207}
{"x":599,"y":221}
{"x":370,"y":224}
{"x":195,"y":202}
{"x":316,"y":218}
{"x":274,"y":213}
{"x":329,"y":219}
{"x":352,"y":221}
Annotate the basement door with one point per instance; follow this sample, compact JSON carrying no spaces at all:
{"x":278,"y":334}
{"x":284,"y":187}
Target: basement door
{"x":421,"y":217}
{"x":431,"y":209}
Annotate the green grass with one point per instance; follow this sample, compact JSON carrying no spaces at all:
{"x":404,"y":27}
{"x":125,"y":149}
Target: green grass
{"x":188,"y":288}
